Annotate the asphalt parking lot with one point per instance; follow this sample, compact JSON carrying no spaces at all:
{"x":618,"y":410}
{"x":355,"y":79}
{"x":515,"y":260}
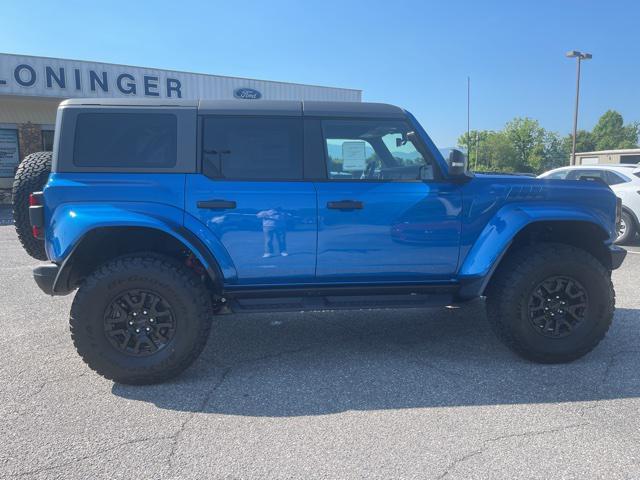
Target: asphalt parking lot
{"x":391,"y":394}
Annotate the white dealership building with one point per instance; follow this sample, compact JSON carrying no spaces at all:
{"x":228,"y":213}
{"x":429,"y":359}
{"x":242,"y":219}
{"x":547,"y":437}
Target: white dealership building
{"x":32,"y":87}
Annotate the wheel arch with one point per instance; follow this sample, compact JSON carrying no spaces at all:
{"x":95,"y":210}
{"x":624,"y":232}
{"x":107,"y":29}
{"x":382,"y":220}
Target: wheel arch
{"x":103,"y":243}
{"x":584,"y":234}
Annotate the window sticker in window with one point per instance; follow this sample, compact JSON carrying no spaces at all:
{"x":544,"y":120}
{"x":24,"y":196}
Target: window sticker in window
{"x":374,"y":150}
{"x":354,"y":156}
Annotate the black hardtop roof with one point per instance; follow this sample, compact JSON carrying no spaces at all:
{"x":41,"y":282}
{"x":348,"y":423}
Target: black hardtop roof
{"x":252,"y":107}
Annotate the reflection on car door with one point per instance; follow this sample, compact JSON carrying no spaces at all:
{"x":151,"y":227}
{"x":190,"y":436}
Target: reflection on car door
{"x":383,"y":216}
{"x":252,"y":198}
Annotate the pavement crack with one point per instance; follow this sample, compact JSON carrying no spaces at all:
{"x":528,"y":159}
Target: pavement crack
{"x":486,"y":444}
{"x":56,"y":380}
{"x":86,"y":457}
{"x":177,"y":436}
{"x":460,"y":460}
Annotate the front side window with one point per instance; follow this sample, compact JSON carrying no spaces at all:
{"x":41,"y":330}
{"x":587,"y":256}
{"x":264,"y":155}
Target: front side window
{"x":577,"y":174}
{"x":374,"y":150}
{"x":248,"y":148}
{"x":590,"y":175}
{"x":561,"y":175}
{"x":127,"y":140}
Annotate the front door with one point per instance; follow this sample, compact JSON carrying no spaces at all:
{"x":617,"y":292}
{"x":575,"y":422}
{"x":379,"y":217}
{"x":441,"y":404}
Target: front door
{"x":252,"y":197}
{"x":384,"y":215}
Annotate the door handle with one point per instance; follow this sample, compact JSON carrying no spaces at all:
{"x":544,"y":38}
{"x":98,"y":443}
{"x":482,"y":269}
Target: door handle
{"x":216,"y":204}
{"x":345,"y":205}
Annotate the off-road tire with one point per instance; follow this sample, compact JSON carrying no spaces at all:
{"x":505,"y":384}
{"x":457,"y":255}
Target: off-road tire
{"x":31,"y":176}
{"x":630,"y":231}
{"x":185,"y":292}
{"x":516,"y":278}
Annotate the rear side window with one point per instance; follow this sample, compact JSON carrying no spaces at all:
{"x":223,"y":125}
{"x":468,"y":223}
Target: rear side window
{"x":132,"y":140}
{"x":248,"y":148}
{"x":614,"y":178}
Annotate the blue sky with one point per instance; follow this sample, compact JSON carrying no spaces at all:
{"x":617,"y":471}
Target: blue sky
{"x":416,"y":54}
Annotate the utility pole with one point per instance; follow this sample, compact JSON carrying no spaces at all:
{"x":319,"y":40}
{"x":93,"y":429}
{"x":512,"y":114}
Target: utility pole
{"x":477,"y":145}
{"x":579,"y":56}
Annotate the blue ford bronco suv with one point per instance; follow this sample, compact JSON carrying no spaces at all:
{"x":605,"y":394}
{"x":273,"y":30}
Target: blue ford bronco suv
{"x":162,"y":214}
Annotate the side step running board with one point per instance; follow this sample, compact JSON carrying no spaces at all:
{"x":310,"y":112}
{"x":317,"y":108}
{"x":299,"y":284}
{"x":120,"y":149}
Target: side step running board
{"x":339,"y":298}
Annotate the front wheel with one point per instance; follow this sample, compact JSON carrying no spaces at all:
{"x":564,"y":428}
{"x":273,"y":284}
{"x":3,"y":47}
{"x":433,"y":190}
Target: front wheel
{"x":551,"y":303}
{"x":140,"y":319}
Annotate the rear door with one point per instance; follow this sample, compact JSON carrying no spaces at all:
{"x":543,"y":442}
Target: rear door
{"x":384,"y":214}
{"x":252,"y":197}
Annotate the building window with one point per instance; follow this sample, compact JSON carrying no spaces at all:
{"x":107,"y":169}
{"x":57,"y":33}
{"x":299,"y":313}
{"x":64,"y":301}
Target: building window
{"x":47,"y":140}
{"x":630,"y":159}
{"x":9,"y":153}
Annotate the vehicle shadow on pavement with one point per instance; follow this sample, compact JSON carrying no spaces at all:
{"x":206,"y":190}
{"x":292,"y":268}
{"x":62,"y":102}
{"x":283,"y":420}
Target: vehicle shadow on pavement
{"x":324,"y":363}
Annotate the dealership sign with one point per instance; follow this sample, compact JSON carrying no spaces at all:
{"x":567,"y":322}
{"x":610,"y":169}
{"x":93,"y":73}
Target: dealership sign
{"x":51,"y":77}
{"x":24,"y":75}
{"x":247,"y":94}
{"x":70,"y":80}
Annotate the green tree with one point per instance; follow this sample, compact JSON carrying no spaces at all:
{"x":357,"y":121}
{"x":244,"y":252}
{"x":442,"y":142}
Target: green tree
{"x":473,"y":143}
{"x":584,"y":142}
{"x":527,"y":137}
{"x":501,"y":155}
{"x":611,"y":133}
{"x":556,"y":152}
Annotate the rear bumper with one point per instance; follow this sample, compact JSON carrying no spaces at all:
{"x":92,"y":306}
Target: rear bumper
{"x":617,"y":255}
{"x":45,"y":277}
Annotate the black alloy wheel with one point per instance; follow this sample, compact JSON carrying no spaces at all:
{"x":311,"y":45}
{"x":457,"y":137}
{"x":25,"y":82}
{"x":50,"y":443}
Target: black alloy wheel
{"x":557,"y":305}
{"x":139,"y":323}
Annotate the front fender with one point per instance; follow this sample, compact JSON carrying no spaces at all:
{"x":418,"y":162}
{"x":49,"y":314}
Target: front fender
{"x":497,"y":235}
{"x":69,"y":223}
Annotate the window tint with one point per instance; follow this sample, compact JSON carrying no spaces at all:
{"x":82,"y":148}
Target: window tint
{"x":138,"y":140}
{"x":614,"y":178}
{"x":245,"y":148}
{"x":576,"y":174}
{"x":374,"y":150}
{"x":588,"y":175}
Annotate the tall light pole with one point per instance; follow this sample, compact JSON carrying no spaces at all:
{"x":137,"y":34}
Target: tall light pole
{"x":579,"y":56}
{"x":469,"y":119}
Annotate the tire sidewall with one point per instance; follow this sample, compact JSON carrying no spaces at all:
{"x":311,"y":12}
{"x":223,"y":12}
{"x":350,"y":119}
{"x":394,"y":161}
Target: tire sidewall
{"x":592,"y":327}
{"x":95,"y":299}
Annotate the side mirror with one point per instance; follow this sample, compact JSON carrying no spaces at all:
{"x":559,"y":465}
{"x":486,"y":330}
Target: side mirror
{"x":457,"y":162}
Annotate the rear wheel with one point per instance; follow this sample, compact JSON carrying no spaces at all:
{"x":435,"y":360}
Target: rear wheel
{"x":626,"y":229}
{"x":31,"y":176}
{"x":141,"y":319}
{"x":551,"y":303}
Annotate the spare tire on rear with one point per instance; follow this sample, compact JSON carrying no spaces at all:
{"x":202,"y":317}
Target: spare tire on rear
{"x":31,"y":176}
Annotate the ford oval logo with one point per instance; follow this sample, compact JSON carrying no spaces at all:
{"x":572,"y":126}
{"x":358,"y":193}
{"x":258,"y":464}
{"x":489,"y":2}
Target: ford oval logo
{"x":247,"y":94}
